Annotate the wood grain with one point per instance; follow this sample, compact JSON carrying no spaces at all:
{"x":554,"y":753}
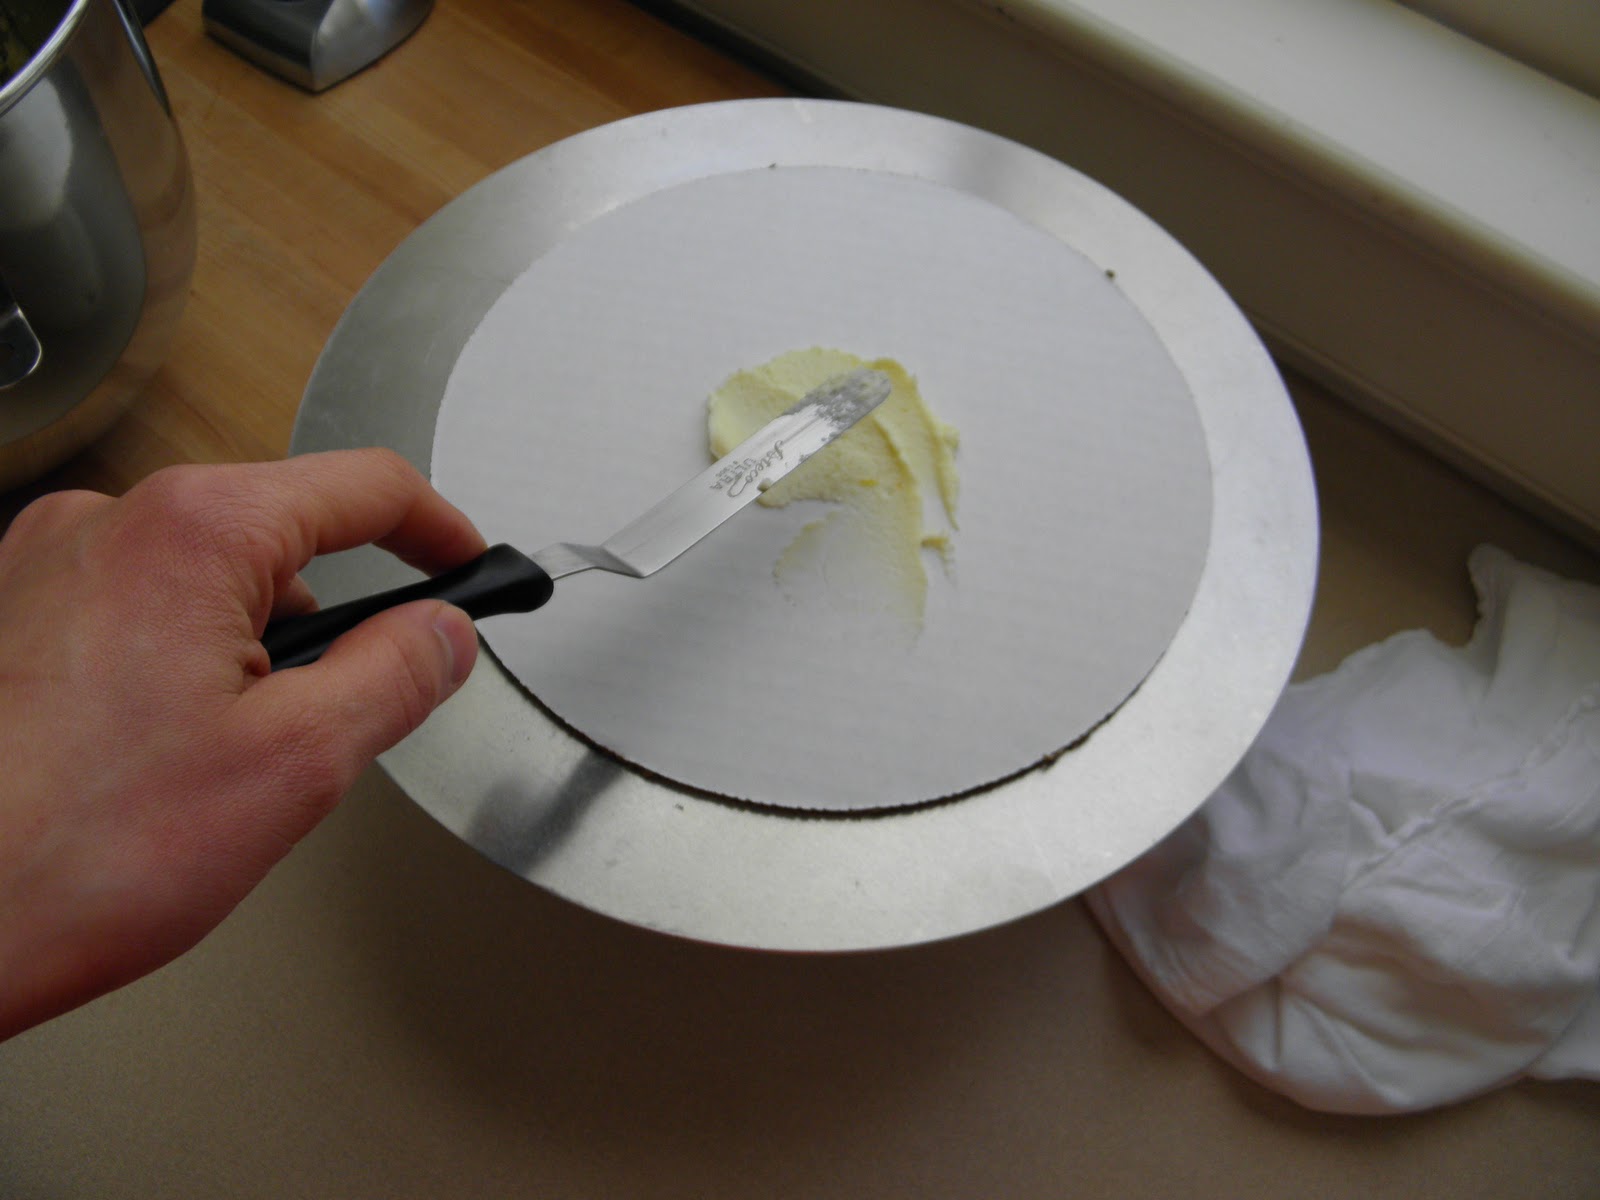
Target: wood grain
{"x":301,"y":197}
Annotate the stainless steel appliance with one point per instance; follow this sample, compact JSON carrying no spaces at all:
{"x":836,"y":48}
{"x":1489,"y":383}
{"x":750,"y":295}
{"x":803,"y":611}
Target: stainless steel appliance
{"x":97,"y":226}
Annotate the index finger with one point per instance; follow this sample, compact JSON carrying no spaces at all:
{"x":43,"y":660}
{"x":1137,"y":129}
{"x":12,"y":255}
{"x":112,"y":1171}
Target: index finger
{"x":245,"y":530}
{"x":340,"y":499}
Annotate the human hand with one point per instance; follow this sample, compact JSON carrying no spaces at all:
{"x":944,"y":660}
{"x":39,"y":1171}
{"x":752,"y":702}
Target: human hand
{"x":154,"y":769}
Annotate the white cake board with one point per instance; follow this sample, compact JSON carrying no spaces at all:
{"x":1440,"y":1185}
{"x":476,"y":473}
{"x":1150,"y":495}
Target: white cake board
{"x":1085,"y":487}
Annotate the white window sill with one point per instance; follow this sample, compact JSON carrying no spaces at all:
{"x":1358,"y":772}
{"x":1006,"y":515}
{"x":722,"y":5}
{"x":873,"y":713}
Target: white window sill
{"x":1408,"y":215}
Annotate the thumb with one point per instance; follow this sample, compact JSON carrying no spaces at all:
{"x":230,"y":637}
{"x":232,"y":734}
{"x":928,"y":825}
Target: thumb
{"x":372,"y":687}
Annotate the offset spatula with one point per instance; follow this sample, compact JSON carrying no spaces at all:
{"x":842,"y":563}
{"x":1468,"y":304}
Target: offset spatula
{"x":504,"y":580}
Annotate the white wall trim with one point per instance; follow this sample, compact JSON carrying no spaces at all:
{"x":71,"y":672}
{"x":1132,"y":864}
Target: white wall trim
{"x":1411,"y":216}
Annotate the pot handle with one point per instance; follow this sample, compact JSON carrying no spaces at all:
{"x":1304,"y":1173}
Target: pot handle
{"x":19,"y":348}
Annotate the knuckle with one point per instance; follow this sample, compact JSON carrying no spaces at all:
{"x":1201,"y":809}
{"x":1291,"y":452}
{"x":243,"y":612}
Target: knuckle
{"x":198,"y":506}
{"x":411,"y":681}
{"x":391,"y":462}
{"x":323,"y":746}
{"x":54,"y":512}
{"x":202,"y":518}
{"x":391,"y":473}
{"x":179,"y":488}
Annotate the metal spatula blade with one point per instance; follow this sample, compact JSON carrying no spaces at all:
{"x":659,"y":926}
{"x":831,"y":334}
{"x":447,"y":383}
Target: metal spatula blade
{"x":504,"y":580}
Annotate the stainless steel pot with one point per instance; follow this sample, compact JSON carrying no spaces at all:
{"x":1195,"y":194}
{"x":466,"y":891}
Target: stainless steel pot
{"x":97,"y":231}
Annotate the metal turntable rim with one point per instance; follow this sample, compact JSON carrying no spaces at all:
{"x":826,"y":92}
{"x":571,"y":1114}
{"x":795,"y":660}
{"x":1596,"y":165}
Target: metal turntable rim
{"x":500,"y":774}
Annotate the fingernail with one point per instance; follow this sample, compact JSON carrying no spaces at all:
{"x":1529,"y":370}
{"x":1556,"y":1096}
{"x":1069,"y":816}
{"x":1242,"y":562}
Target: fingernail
{"x":460,"y":640}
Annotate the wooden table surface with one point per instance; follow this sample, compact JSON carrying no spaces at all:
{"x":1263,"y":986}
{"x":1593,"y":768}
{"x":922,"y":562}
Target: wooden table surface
{"x":389,"y":1015}
{"x":300,"y":197}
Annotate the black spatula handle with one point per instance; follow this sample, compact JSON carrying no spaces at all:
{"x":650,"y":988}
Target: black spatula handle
{"x":500,"y":580}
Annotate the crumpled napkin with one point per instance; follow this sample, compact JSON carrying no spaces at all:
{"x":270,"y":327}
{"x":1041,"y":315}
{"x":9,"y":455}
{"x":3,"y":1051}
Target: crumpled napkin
{"x":1394,"y":901}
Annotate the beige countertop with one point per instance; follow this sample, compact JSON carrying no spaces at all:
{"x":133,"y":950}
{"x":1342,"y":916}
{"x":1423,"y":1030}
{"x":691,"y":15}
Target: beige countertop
{"x":389,"y":1015}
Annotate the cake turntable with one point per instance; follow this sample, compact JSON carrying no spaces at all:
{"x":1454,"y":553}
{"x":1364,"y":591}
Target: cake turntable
{"x":506,"y":775}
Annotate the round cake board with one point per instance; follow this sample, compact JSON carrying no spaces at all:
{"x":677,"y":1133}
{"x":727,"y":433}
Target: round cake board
{"x":1083,"y":518}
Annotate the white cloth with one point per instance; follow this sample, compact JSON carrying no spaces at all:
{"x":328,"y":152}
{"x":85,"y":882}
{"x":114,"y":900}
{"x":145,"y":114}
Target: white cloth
{"x":1394,"y":901}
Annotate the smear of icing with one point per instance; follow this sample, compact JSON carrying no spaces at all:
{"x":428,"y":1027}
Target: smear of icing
{"x":890,"y":478}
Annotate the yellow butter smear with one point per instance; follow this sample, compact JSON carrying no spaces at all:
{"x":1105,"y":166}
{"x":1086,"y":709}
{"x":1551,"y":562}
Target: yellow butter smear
{"x":868,"y":550}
